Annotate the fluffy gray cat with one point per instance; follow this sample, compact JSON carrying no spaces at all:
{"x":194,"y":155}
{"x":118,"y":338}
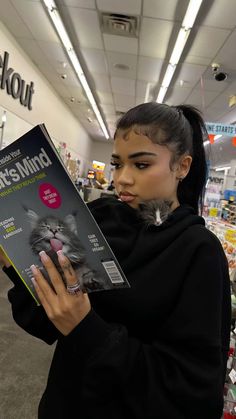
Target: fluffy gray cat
{"x":155,"y":211}
{"x":49,"y":233}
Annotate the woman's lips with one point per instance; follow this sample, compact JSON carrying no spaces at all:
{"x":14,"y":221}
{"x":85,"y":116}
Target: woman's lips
{"x":127,"y":197}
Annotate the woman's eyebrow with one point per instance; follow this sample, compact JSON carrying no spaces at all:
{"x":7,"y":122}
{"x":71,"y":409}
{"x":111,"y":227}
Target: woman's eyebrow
{"x":138,"y":154}
{"x":141,"y":153}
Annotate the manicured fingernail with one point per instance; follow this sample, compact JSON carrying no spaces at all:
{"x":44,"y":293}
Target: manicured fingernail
{"x":61,"y":255}
{"x":33,"y":280}
{"x":34,"y":269}
{"x":43,"y":256}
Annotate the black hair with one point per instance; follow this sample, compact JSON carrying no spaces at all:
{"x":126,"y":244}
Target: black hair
{"x":180,"y":128}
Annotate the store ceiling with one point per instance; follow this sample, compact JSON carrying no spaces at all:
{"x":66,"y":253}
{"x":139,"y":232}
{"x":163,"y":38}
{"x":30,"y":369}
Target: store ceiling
{"x":213,"y":39}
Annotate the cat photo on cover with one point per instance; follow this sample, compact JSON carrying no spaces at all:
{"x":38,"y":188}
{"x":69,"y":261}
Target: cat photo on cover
{"x":50,"y":233}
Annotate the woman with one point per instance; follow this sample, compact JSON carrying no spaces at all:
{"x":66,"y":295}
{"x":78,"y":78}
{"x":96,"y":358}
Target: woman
{"x":158,"y":349}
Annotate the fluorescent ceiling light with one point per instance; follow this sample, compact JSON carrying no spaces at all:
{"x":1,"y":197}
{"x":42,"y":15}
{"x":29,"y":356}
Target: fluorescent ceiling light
{"x":218,"y":169}
{"x":147,"y":93}
{"x":191,"y":14}
{"x":187,"y":24}
{"x":54,"y":14}
{"x":179,"y":46}
{"x":161,"y":94}
{"x":4,"y":117}
{"x":168,"y":75}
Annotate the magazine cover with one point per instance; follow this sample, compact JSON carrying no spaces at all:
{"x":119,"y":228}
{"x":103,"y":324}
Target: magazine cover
{"x":41,"y":209}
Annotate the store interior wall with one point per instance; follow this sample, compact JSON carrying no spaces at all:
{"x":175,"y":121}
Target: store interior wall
{"x":47,"y":107}
{"x":102,"y":152}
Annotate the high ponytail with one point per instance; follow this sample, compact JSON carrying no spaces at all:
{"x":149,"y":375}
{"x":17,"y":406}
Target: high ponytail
{"x":182,"y":130}
{"x":191,"y":190}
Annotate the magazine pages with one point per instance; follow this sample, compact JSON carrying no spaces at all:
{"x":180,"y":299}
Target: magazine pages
{"x":41,"y":209}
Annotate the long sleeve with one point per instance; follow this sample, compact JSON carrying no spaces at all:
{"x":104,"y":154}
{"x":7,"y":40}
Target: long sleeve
{"x":180,"y":373}
{"x":26,"y":313}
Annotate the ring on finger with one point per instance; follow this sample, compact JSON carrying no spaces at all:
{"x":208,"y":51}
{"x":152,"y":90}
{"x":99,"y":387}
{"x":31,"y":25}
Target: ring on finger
{"x":73,"y":288}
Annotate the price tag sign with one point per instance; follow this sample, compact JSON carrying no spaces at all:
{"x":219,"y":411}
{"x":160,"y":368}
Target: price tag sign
{"x":232,"y":376}
{"x":229,"y":362}
{"x":213,"y":212}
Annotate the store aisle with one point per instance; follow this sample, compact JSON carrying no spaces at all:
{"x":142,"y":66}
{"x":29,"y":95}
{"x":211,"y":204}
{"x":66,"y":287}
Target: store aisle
{"x":24,"y":363}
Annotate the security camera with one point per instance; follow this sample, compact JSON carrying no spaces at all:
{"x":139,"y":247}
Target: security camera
{"x":215,"y":67}
{"x":220,"y":76}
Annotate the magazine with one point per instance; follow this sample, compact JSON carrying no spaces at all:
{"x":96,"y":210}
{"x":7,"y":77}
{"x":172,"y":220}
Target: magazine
{"x":41,"y":209}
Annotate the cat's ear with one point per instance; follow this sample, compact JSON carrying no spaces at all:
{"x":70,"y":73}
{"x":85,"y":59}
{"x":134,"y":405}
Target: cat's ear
{"x":71,"y":222}
{"x":32,"y":216}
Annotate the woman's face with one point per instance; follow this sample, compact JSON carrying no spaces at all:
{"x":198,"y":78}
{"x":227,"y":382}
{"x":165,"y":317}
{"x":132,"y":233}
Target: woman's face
{"x":142,"y":170}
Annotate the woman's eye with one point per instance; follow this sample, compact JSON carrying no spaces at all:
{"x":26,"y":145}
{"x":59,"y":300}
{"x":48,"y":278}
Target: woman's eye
{"x":115,"y":165}
{"x":142,"y":165}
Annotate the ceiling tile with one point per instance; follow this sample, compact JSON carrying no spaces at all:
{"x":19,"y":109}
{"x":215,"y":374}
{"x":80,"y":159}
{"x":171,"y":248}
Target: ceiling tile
{"x":86,"y":27}
{"x":13,"y":21}
{"x":149,"y":68}
{"x":123,"y":86}
{"x":112,"y":119}
{"x":190,"y":73}
{"x":141,"y":88}
{"x":154,"y":37}
{"x":108,"y":109}
{"x":196,"y":98}
{"x":139,"y":101}
{"x":124,"y":101}
{"x":96,"y":60}
{"x":177,"y":95}
{"x":121,"y":44}
{"x":212,"y":114}
{"x":215,"y":38}
{"x":221,"y":14}
{"x":132,"y":7}
{"x":221,"y":102}
{"x":226,"y":56}
{"x":102,"y":83}
{"x":123,"y":59}
{"x":36,"y":19}
{"x":168,"y":9}
{"x":229,"y":118}
{"x":212,"y":85}
{"x":193,"y":59}
{"x":105,"y":98}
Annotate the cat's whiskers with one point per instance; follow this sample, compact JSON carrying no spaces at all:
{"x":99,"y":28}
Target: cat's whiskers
{"x":40,"y":239}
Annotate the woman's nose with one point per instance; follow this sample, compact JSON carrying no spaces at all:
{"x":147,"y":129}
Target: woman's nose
{"x":125,"y":176}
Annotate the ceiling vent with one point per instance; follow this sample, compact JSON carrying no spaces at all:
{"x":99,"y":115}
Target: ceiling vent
{"x":119,"y":24}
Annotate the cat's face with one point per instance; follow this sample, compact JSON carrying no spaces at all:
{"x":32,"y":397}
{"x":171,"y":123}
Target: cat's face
{"x":155,"y":212}
{"x":51,"y":234}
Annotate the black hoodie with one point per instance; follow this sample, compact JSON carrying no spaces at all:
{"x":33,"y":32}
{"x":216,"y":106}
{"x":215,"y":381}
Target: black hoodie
{"x":156,"y":350}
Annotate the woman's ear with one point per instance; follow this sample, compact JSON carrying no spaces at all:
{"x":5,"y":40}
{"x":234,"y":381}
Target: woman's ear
{"x":183,"y":167}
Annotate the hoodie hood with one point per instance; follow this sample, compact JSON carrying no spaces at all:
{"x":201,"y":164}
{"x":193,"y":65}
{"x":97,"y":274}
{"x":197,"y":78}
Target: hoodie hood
{"x":131,"y":239}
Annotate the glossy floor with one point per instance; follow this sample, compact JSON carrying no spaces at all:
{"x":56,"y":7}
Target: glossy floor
{"x":24,"y":364}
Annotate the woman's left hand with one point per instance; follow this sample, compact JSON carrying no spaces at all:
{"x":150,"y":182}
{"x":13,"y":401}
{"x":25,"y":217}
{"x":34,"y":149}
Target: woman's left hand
{"x":65,"y":311}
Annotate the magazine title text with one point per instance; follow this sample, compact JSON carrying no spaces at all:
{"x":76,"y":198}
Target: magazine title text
{"x":23,"y":168}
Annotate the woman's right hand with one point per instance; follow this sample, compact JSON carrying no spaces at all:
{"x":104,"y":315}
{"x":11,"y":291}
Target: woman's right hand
{"x":3,"y":259}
